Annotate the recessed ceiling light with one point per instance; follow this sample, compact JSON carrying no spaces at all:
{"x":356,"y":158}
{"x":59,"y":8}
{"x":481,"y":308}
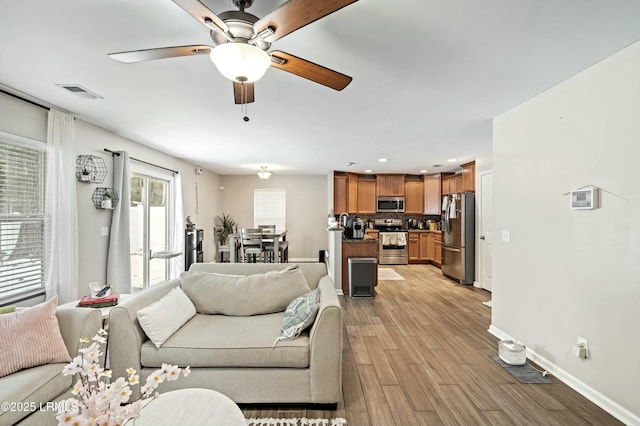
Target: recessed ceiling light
{"x":424,"y":171}
{"x":349,"y":163}
{"x":452,"y":160}
{"x":368,"y":171}
{"x":382,"y":160}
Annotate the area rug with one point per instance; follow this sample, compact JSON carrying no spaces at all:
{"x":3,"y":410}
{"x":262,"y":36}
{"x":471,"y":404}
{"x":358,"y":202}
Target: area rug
{"x":388,"y":274}
{"x":523,"y":373}
{"x":270,"y":421}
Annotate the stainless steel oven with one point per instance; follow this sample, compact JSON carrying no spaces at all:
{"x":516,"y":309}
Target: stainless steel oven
{"x":393,"y":242}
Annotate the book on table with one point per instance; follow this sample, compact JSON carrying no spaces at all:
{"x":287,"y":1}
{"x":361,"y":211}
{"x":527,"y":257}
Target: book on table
{"x":99,"y":302}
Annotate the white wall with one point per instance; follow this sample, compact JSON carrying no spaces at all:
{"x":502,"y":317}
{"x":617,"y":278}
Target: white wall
{"x":23,"y":119}
{"x":569,"y":273}
{"x":306,"y":208}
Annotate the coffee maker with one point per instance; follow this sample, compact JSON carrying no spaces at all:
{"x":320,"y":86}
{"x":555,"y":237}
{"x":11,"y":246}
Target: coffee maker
{"x":357,"y":228}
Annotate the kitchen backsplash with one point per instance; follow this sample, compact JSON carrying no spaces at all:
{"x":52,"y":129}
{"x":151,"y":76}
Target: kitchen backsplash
{"x":416,"y":219}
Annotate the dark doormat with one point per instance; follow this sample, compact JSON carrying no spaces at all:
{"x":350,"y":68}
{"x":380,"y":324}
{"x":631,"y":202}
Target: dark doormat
{"x":523,"y":373}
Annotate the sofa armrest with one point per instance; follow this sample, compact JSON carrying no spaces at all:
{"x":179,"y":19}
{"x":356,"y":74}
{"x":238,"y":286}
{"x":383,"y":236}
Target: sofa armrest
{"x":76,"y":323}
{"x":325,"y":340}
{"x":125,"y":334}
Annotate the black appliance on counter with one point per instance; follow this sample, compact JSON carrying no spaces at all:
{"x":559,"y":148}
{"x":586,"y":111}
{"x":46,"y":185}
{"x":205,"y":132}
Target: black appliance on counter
{"x":354,"y":229}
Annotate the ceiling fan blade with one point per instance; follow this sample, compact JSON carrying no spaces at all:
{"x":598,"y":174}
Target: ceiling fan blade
{"x":295,"y":14}
{"x":243,"y":98}
{"x":309,"y":70}
{"x":203,"y":14}
{"x":160,"y":53}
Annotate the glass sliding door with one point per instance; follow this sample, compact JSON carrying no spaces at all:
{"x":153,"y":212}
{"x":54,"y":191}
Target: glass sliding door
{"x":150,"y":229}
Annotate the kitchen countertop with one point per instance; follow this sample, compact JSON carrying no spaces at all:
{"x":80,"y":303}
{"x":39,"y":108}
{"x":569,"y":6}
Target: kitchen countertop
{"x":361,"y":240}
{"x":425,"y":230}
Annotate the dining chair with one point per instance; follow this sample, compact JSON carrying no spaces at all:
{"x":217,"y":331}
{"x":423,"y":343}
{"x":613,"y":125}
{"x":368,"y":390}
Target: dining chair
{"x":283,"y":247}
{"x":251,"y":243}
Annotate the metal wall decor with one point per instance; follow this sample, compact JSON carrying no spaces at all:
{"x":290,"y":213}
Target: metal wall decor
{"x":90,"y":169}
{"x":105,"y":198}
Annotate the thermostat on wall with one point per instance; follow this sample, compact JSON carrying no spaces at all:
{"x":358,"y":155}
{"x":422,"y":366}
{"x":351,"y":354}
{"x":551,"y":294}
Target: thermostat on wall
{"x":584,"y":199}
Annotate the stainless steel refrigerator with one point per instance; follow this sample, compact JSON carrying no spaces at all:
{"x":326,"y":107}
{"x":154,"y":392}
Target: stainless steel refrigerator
{"x":458,"y":239}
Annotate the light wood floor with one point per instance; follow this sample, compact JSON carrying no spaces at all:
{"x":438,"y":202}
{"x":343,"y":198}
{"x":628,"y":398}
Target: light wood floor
{"x":419,"y":354}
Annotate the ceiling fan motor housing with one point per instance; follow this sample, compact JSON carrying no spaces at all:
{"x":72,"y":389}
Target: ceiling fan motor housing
{"x":240,"y":28}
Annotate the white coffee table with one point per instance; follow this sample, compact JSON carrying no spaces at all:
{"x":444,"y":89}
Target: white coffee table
{"x":190,"y":407}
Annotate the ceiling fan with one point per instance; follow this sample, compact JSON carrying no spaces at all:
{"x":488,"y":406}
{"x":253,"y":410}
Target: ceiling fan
{"x":241,"y":41}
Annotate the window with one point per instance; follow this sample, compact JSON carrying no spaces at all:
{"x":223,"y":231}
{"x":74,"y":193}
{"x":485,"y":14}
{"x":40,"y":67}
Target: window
{"x":150,"y":225}
{"x":269,"y":207}
{"x":22,"y":219}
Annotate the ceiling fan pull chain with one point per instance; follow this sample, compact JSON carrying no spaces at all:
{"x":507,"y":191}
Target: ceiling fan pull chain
{"x":243,"y":100}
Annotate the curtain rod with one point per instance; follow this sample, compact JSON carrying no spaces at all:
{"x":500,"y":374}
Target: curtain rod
{"x":143,"y":162}
{"x":25,"y":99}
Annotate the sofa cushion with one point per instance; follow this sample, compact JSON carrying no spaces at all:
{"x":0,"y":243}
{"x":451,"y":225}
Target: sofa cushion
{"x":33,"y":385}
{"x":244,"y":295}
{"x":299,"y":315}
{"x":31,"y":337}
{"x":229,"y":341}
{"x":162,"y":318}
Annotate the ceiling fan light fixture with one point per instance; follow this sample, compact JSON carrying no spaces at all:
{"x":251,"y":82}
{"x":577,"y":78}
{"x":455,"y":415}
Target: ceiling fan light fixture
{"x":240,"y":62}
{"x":263,"y":173}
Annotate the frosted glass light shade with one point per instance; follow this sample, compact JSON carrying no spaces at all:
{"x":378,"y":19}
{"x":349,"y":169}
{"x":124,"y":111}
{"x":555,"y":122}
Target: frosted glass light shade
{"x":240,"y":61}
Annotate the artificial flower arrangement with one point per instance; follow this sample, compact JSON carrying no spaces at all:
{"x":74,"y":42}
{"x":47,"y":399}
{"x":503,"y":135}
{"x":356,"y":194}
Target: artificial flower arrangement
{"x":101,"y":401}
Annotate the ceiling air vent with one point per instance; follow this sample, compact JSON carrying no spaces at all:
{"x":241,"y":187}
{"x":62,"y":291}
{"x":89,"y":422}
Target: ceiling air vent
{"x":80,"y":91}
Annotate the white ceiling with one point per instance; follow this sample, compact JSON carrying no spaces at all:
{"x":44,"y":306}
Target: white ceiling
{"x":428,"y":77}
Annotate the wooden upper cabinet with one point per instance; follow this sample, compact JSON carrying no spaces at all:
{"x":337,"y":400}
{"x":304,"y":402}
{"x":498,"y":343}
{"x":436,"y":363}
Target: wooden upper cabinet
{"x":366,"y":196}
{"x":352,"y":203}
{"x":414,"y":196}
{"x":345,"y":194}
{"x":468,"y":177}
{"x":340,"y":194}
{"x":432,"y":194}
{"x":390,"y":185}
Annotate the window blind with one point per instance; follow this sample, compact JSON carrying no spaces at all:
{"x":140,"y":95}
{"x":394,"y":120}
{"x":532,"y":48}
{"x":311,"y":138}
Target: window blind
{"x":269,"y":207}
{"x":22,"y":219}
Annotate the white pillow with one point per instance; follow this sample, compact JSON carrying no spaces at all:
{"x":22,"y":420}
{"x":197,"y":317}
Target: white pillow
{"x":165,"y":316}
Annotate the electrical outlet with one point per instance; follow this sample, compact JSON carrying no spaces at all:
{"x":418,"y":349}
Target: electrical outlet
{"x":506,"y":236}
{"x":104,"y":231}
{"x":581,"y":349}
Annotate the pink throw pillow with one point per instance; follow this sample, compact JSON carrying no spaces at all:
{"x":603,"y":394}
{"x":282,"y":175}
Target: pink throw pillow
{"x":31,"y":337}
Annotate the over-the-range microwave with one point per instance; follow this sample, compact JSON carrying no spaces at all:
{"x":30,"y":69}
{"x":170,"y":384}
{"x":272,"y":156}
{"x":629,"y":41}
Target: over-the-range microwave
{"x":390,"y":204}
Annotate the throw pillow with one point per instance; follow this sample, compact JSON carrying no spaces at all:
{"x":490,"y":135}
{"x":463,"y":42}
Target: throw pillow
{"x":299,"y":315}
{"x":31,"y":337}
{"x":244,"y":295}
{"x":165,"y":316}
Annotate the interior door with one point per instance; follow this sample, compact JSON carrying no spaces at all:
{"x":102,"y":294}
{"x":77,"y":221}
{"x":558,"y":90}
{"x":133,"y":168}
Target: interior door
{"x":486,"y":230}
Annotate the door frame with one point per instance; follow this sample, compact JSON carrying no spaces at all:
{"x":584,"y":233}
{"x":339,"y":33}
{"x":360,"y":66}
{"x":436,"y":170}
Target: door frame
{"x":481,"y":211}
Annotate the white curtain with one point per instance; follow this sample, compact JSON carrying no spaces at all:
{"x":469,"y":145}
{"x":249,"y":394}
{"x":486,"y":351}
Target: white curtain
{"x":119,"y":256}
{"x":61,"y":274}
{"x":177,"y":263}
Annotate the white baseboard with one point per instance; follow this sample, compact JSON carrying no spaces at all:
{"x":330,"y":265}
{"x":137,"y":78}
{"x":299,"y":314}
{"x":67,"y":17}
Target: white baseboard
{"x":339,"y":292}
{"x":611,"y":407}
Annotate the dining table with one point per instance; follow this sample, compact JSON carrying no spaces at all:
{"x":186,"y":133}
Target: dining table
{"x":278,"y":237}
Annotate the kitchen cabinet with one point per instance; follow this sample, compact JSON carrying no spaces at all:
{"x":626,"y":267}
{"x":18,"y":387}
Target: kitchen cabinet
{"x":432,"y":194}
{"x":427,"y":249}
{"x":414,"y":196}
{"x":437,"y":257}
{"x":468,"y":177}
{"x":345,"y":193}
{"x":390,"y":185}
{"x":414,"y":246}
{"x":446,"y":179}
{"x":366,"y":193}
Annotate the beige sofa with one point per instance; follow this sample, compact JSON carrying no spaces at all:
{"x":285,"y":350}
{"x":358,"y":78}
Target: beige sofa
{"x":30,"y":389}
{"x":234,"y":354}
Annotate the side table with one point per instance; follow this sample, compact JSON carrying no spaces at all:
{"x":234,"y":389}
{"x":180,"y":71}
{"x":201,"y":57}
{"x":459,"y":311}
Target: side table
{"x":193,"y":406}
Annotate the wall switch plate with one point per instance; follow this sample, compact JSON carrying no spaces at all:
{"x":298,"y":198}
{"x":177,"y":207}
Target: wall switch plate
{"x":104,"y":231}
{"x":506,"y":236}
